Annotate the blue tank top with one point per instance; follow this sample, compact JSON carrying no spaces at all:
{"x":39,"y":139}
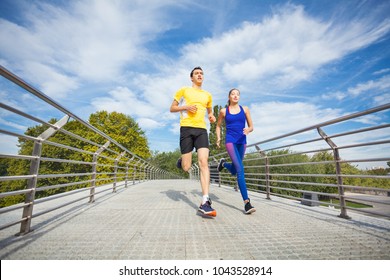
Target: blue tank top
{"x":235,"y":124}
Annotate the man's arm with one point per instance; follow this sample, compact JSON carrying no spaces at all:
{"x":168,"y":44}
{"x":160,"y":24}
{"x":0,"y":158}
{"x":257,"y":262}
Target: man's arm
{"x":248,"y":129}
{"x":221,"y":116}
{"x":211,"y":115}
{"x":176,"y":108}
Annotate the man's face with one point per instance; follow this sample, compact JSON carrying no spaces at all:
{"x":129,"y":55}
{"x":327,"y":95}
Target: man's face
{"x":197,"y":76}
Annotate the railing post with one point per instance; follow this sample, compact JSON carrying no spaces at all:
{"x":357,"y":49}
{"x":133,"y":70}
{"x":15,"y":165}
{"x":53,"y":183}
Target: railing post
{"x":94,"y":165}
{"x":340,"y":186}
{"x":147,"y":172}
{"x":219,"y":173}
{"x":151,"y":174}
{"x":266,"y":159}
{"x":134,"y":172}
{"x":219,"y":178}
{"x":212,"y":172}
{"x":142,"y":172}
{"x":127,"y":171}
{"x":116,"y":171}
{"x":25,"y":225}
{"x":197,"y":176}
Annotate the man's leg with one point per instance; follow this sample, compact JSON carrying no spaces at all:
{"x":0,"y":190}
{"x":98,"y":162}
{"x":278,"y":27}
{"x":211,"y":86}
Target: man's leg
{"x":205,"y":208}
{"x":186,"y":161}
{"x":203,"y":155}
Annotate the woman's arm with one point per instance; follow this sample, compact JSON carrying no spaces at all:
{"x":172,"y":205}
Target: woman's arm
{"x":248,"y":129}
{"x":221,"y":116}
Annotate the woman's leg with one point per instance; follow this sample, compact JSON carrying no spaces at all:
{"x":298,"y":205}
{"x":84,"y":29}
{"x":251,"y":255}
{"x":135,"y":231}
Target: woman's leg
{"x":230,"y":166}
{"x":236,"y":153}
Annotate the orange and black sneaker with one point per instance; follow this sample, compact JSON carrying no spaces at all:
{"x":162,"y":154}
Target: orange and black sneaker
{"x":207,"y":209}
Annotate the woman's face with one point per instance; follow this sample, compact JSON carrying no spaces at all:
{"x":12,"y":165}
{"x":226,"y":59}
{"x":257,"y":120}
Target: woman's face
{"x":234,"y":96}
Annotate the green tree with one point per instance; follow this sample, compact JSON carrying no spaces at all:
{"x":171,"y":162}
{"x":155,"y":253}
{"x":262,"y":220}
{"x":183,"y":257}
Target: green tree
{"x":123,"y":129}
{"x":119,"y":127}
{"x":4,"y":163}
{"x":167,"y":161}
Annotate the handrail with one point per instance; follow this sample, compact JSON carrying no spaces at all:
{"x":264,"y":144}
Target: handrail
{"x":327,"y":123}
{"x":292,"y":171}
{"x":272,"y":167}
{"x":17,"y":80}
{"x":110,"y":164}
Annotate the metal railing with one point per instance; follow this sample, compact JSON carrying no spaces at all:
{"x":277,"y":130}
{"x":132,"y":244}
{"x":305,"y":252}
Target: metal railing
{"x":84,"y":165}
{"x":313,"y":165}
{"x":334,"y":169}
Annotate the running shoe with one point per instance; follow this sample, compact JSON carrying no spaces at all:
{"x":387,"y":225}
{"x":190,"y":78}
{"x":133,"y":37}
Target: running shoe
{"x":178,"y":163}
{"x":207,"y":209}
{"x":249,"y":208}
{"x":220,"y":164}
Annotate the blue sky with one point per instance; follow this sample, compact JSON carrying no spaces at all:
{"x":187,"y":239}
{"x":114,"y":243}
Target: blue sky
{"x":297,"y":63}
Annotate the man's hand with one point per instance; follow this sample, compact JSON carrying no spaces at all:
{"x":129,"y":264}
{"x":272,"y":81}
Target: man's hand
{"x":192,"y":109}
{"x":212,"y":119}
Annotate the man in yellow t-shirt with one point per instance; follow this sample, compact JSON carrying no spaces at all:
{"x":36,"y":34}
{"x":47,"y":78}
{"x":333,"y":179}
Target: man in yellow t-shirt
{"x":192,"y":103}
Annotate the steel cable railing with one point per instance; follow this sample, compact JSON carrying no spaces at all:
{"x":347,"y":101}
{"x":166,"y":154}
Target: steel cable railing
{"x":95,"y":164}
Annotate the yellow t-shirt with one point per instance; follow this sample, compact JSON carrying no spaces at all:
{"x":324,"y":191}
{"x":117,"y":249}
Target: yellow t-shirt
{"x":192,"y":96}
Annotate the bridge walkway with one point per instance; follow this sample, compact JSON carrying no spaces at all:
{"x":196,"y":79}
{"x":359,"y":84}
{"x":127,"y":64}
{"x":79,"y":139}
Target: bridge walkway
{"x":159,"y":220}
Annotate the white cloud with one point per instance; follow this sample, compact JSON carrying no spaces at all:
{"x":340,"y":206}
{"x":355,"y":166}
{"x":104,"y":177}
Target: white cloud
{"x":147,"y":123}
{"x":57,"y":84}
{"x":284,"y":49}
{"x":382,"y":71}
{"x":334,"y":96}
{"x":8,"y":145}
{"x":88,"y":40}
{"x":277,"y":118}
{"x":122,"y":99}
{"x":382,"y":99}
{"x":4,"y":122}
{"x":376,"y":91}
{"x":381,"y":84}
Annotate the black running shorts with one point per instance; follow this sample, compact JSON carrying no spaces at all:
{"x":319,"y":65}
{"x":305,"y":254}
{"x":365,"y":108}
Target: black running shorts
{"x":193,"y":137}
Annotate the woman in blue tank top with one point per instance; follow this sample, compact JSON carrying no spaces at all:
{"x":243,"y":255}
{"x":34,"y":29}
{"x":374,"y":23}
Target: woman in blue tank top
{"x":235,"y":118}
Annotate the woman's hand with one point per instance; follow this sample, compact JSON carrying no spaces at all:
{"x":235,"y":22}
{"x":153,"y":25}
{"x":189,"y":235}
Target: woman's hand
{"x":219,"y":143}
{"x":247,"y":130}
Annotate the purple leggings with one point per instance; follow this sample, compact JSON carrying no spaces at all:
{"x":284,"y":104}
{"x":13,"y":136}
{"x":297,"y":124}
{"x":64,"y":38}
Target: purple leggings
{"x":236,"y":153}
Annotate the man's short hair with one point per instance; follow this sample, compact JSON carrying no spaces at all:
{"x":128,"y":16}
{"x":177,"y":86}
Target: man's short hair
{"x":196,"y":68}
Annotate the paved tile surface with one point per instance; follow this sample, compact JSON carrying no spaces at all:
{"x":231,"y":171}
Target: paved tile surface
{"x":159,"y":220}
